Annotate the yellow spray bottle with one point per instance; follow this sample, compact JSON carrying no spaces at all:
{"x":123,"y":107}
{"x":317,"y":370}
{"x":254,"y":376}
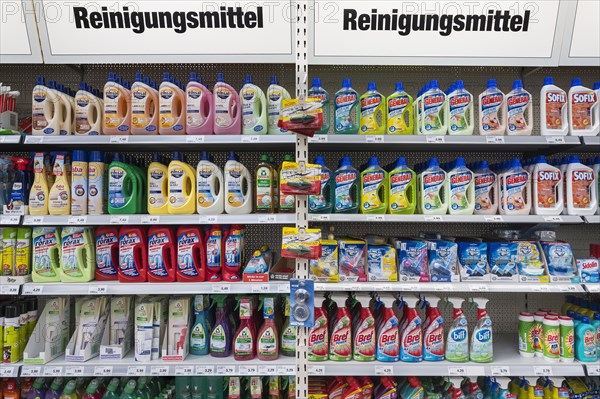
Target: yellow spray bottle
{"x":373,"y":188}
{"x":400,"y":112}
{"x":372,"y":111}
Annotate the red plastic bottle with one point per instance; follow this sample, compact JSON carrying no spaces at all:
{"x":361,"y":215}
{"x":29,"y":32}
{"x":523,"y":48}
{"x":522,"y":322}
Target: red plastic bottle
{"x":244,"y":341}
{"x":233,"y":243}
{"x":191,"y":255}
{"x":107,"y":253}
{"x":133,"y":255}
{"x":214,"y":253}
{"x":162,"y":255}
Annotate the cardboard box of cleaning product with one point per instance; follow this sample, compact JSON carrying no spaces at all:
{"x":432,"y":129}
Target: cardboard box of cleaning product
{"x":473,"y":261}
{"x":91,"y":315}
{"x":560,"y":261}
{"x":283,"y":270}
{"x":531,"y":263}
{"x":413,"y":263}
{"x":443,"y":261}
{"x":258,"y":266}
{"x":176,"y":342}
{"x":51,"y":333}
{"x":352,"y":260}
{"x":326,"y":268}
{"x":118,"y":335}
{"x":502,"y":262}
{"x":588,"y":270}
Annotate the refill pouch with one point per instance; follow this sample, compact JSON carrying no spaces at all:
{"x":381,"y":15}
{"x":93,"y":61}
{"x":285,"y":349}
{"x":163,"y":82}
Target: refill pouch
{"x":412,"y":260}
{"x":442,"y":260}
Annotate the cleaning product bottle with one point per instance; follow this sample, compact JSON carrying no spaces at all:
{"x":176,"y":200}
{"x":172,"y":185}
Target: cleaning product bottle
{"x":519,"y":111}
{"x":582,"y":193}
{"x":457,"y":341}
{"x":97,"y":185}
{"x":372,"y":111}
{"x":596,"y":168}
{"x":128,"y":390}
{"x":346,"y":187}
{"x":123,"y":187}
{"x":67,"y":103}
{"x":79,"y":183}
{"x":144,"y":106}
{"x":199,"y":334}
{"x":433,"y":331}
{"x":38,"y":390}
{"x":214,"y":253}
{"x":388,"y":331}
{"x":171,"y":99}
{"x":323,"y":202}
{"x":77,"y":255}
{"x":55,"y":389}
{"x":267,"y":342}
{"x":220,"y":336}
{"x":486,"y":190}
{"x":227,"y":109}
{"x":69,"y":391}
{"x":400,"y":111}
{"x":93,"y":390}
{"x":233,"y":253}
{"x":462,"y":189}
{"x":584,"y":107}
{"x":318,"y":336}
{"x":38,"y":194}
{"x":548,"y":188}
{"x":133,"y":255}
{"x":553,"y":110}
{"x":59,"y":202}
{"x":200,"y":107}
{"x":401,"y":188}
{"x":434,"y":193}
{"x":117,"y":113}
{"x":88,"y":112}
{"x":107,"y":253}
{"x":585,"y":341}
{"x":492,"y":115}
{"x":288,"y":332}
{"x":364,"y":334}
{"x":182,"y":186}
{"x":191,"y":256}
{"x":373,"y":188}
{"x":244,"y":341}
{"x":46,"y":254}
{"x":158,"y":186}
{"x":482,"y":349}
{"x":460,"y":112}
{"x":46,"y":117}
{"x":340,"y":343}
{"x":317,"y":91}
{"x":275,"y":95}
{"x":346,"y":109}
{"x":411,"y":333}
{"x":210,"y":192}
{"x":162,"y":255}
{"x":254,"y":108}
{"x":433,"y":107}
{"x":265,"y":186}
{"x":287,"y":202}
{"x":238,"y":186}
{"x":516,"y":191}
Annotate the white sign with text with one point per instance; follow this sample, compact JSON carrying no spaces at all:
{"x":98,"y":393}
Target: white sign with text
{"x":14,"y":38}
{"x":586,"y":30}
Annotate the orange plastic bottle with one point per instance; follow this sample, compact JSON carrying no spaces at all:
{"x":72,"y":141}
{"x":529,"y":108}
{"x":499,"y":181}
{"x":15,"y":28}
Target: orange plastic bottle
{"x":268,"y":336}
{"x":244,"y":347}
{"x":11,"y":391}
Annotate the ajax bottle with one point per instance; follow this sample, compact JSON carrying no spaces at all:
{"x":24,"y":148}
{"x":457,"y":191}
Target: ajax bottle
{"x":402,"y":189}
{"x":372,"y":111}
{"x":323,"y":202}
{"x":462,"y":189}
{"x":515,"y":196}
{"x":38,"y":194}
{"x":582,"y":191}
{"x":238,"y":187}
{"x":227,"y":109}
{"x":492,"y":115}
{"x":171,"y":99}
{"x":199,"y":107}
{"x":553,"y":110}
{"x":340,"y":348}
{"x":433,"y":189}
{"x":346,"y":187}
{"x":346,"y":109}
{"x":162,"y":255}
{"x":482,"y":344}
{"x":117,"y":113}
{"x":158,"y":187}
{"x":144,"y":106}
{"x":107,"y":253}
{"x":433,"y":107}
{"x":191,"y":255}
{"x":265,"y":186}
{"x":411,"y":333}
{"x":182,"y":186}
{"x":460,"y":112}
{"x":548,"y":189}
{"x":364,"y":331}
{"x":584,"y":110}
{"x":388,"y":332}
{"x":457,"y":342}
{"x":400,"y":111}
{"x":133,"y":255}
{"x":486,"y":190}
{"x":433,"y":331}
{"x":88,"y":111}
{"x":210,"y":190}
{"x":373,"y":188}
{"x":254,"y":108}
{"x":317,"y":91}
{"x":519,"y":111}
{"x":79,"y":183}
{"x":199,"y":333}
{"x":275,"y":95}
{"x":46,"y":117}
{"x":59,"y":199}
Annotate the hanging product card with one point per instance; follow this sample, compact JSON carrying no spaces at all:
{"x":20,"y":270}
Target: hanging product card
{"x":302,"y":303}
{"x":301,"y":243}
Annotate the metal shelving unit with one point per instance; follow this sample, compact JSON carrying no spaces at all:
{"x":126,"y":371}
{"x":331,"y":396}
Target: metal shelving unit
{"x":359,"y":218}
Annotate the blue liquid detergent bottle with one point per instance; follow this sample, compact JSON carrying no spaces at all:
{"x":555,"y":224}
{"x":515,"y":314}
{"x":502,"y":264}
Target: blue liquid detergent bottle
{"x":346,"y":109}
{"x":346,"y":187}
{"x":322,"y":203}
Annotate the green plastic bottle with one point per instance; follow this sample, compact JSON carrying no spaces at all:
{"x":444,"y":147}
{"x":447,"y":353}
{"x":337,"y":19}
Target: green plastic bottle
{"x":372,"y":111}
{"x":402,"y":189}
{"x":112,"y":390}
{"x":373,"y":188}
{"x":128,"y":391}
{"x":125,"y":188}
{"x":142,"y":389}
{"x":400,"y":112}
{"x":69,"y":391}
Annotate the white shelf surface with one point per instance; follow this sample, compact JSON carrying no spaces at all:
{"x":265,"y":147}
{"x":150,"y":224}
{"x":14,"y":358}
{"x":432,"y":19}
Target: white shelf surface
{"x":594,"y":219}
{"x":451,"y":287}
{"x":191,"y":365}
{"x":358,"y":218}
{"x":10,"y":139}
{"x":117,"y":288}
{"x":507,"y":362}
{"x":100,"y":220}
{"x":10,"y":220}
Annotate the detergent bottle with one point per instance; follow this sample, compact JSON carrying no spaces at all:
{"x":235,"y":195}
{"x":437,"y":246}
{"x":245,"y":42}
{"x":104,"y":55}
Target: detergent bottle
{"x":388,"y":331}
{"x":59,"y":199}
{"x":38,"y":194}
{"x":288,"y":332}
{"x":486,"y":190}
{"x":213,"y":240}
{"x":210,"y":192}
{"x":340,"y":343}
{"x":199,"y":107}
{"x":227,"y":109}
{"x":433,"y":331}
{"x":519,"y":111}
{"x":162,"y":255}
{"x":323,"y":202}
{"x":401,"y":189}
{"x":117,"y":113}
{"x":346,"y":109}
{"x":481,"y":349}
{"x":158,"y":187}
{"x":77,"y":255}
{"x":97,"y":185}
{"x":373,"y":188}
{"x":372,"y":111}
{"x":346,"y":187}
{"x":318,"y":336}
{"x":287,"y":202}
{"x":585,"y":341}
{"x":364,"y":331}
{"x":400,"y":111}
{"x":244,"y":341}
{"x":254,"y":108}
{"x":191,"y":255}
{"x":267,"y":343}
{"x":69,"y":391}
{"x":220,"y":336}
{"x":584,"y":110}
{"x":462,"y":189}
{"x":460,"y":112}
{"x":457,"y":342}
{"x":79,"y":183}
{"x":46,"y":118}
{"x":107,"y":253}
{"x":238,"y":187}
{"x":199,"y":334}
{"x":123,"y":187}
{"x":46,"y":254}
{"x":433,"y":189}
{"x":182,"y":187}
{"x":233,"y":248}
{"x":317,"y":91}
{"x":171,"y":99}
{"x":492,"y":115}
{"x":67,"y":103}
{"x":144,"y":106}
{"x":516,"y":190}
{"x":88,"y":111}
{"x":275,"y":95}
{"x":596,"y":168}
{"x":133,"y":255}
{"x":433,"y":107}
{"x":411,"y":333}
{"x":582,"y":192}
{"x":265,"y":186}
{"x":548,"y":189}
{"x":553,"y":110}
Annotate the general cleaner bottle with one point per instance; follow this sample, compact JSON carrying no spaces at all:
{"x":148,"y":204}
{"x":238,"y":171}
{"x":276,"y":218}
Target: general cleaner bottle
{"x":492,"y":118}
{"x":402,"y":189}
{"x":433,"y":189}
{"x":346,"y":109}
{"x":373,"y":188}
{"x":481,"y":349}
{"x":322,"y":203}
{"x":400,"y":114}
{"x":346,"y":187}
{"x":433,"y":107}
{"x":317,"y":91}
{"x":519,"y":111}
{"x":275,"y":95}
{"x":460,"y":112}
{"x":462,"y":189}
{"x":372,"y":111}
{"x":486,"y":190}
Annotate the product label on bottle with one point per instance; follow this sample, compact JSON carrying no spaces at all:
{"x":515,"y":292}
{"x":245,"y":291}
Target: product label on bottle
{"x":433,"y":183}
{"x":95,"y":189}
{"x":399,"y":184}
{"x":551,"y":342}
{"x":388,"y":344}
{"x":516,"y":185}
{"x":364,"y":340}
{"x":581,"y":183}
{"x":59,"y":194}
{"x":398,"y":114}
{"x":82,"y":124}
{"x":235,"y":388}
{"x":318,"y":339}
{"x":243,"y":343}
{"x":371,"y":113}
{"x":433,"y":105}
{"x":482,"y":344}
{"x":340,"y":344}
{"x":223,"y":99}
{"x":213,"y":251}
{"x":198,"y":338}
{"x":127,"y":244}
{"x":589,"y":344}
{"x":39,"y":120}
{"x":490,"y":110}
{"x":275,"y":97}
{"x":42,"y":246}
{"x":344,"y":111}
{"x":177,"y":181}
{"x":267,"y":342}
{"x":547,"y":182}
{"x":233,"y":251}
{"x":79,"y":185}
{"x":567,"y":343}
{"x":206,"y":178}
{"x":555,"y":104}
{"x":235,"y":183}
{"x":322,"y":96}
{"x":517,"y":106}
{"x":105,"y":243}
{"x":288,"y":339}
{"x":581,"y":110}
{"x":140,"y":109}
{"x":250,"y":109}
{"x":459,"y":106}
{"x":457,"y":345}
{"x":185,"y":258}
{"x":459,"y":186}
{"x":485,"y":184}
{"x":112,"y":100}
{"x":344,"y":184}
{"x":72,"y":243}
{"x":169,"y":107}
{"x":372,"y":183}
{"x":194,"y":107}
{"x":433,"y":340}
{"x":218,"y":340}
{"x":286,"y":202}
{"x":37,"y":194}
{"x":321,"y":201}
{"x":156,"y":262}
{"x":116,"y":180}
{"x":264,"y":189}
{"x":256,"y":388}
{"x":156,"y":195}
{"x":411,"y":349}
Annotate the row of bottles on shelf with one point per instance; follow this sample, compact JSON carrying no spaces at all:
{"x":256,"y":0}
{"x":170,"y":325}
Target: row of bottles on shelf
{"x":18,"y":319}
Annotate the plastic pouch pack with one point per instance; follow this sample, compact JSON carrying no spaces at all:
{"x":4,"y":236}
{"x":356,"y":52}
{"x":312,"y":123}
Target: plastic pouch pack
{"x":301,"y":243}
{"x":303,"y":117}
{"x":560,"y":259}
{"x":300,"y":179}
{"x":412,"y":260}
{"x":259,"y":262}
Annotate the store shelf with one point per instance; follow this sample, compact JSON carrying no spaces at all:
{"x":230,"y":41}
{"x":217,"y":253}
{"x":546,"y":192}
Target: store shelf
{"x":99,"y":220}
{"x":507,"y":362}
{"x":593,"y":288}
{"x":9,"y":139}
{"x":451,"y":287}
{"x":10,"y":370}
{"x":11,"y":285}
{"x":595,"y":219}
{"x":192,"y":365}
{"x":592,"y":143}
{"x":531,"y":219}
{"x":117,"y":288}
{"x":10,"y":220}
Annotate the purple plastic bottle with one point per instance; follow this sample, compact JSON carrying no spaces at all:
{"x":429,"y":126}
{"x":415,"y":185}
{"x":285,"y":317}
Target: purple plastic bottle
{"x":220,"y":336}
{"x":56,"y":389}
{"x":38,"y":391}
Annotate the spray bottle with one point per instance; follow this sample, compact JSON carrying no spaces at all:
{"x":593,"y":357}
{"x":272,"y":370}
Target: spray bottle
{"x":340,"y":348}
{"x":482,"y":349}
{"x":433,"y":331}
{"x":388,"y":343}
{"x":268,"y":337}
{"x":199,"y":334}
{"x":244,"y":347}
{"x":364,"y":333}
{"x":457,"y":343}
{"x":318,"y":336}
{"x":411,"y":334}
{"x":220,"y":336}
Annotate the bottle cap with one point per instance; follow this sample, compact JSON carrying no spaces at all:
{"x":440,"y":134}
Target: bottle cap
{"x":248,"y":79}
{"x":433,"y":162}
{"x":373,"y":161}
{"x":460,"y":162}
{"x":82,"y":86}
{"x":193,"y":77}
{"x":345,"y":161}
{"x":460,"y":84}
{"x":317,"y":82}
{"x":232,"y":156}
{"x":92,"y":387}
{"x":492,"y":84}
{"x":518,"y":84}
{"x":220,"y":77}
{"x":41,"y":81}
{"x":372,"y":86}
{"x":346,"y":84}
{"x":400,"y":162}
{"x":576,"y":82}
{"x":204,"y":156}
{"x":79,"y":156}
{"x":176,"y":156}
{"x":264,"y":158}
{"x":596,"y":85}
{"x":548,"y":81}
{"x":434,"y":84}
{"x":274,"y":80}
{"x":112,"y":77}
{"x":320,"y":160}
{"x":70,"y":387}
{"x":139,"y":77}
{"x":585,"y":319}
{"x":130,"y":387}
{"x":399,"y":86}
{"x":166,"y":77}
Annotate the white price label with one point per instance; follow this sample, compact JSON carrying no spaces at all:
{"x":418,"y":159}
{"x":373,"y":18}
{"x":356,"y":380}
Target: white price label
{"x":318,"y":138}
{"x":501,"y":371}
{"x":74,"y":371}
{"x":457,"y":371}
{"x":97,"y":289}
{"x":77,"y":220}
{"x":226,"y":370}
{"x":593,"y":370}
{"x":353,"y":287}
{"x":120,"y":219}
{"x":478,"y":288}
{"x":221,"y":288}
{"x":2,"y":139}
{"x":184,"y":370}
{"x":33,"y":220}
{"x":568,"y":288}
{"x":434,"y":218}
{"x":119,"y":139}
{"x":248,"y":370}
{"x":555,"y":140}
{"x":321,"y":218}
{"x":494,"y":139}
{"x":384,"y":370}
{"x":267,"y":219}
{"x":286,"y":370}
{"x":375,"y":139}
{"x":208,"y":219}
{"x":103,"y":370}
{"x":9,"y":220}
{"x":260,"y":288}
{"x":34,"y":140}
{"x":159,"y":370}
{"x":316,"y":370}
{"x":250,"y":139}
{"x":136,"y":371}
{"x":553,"y":219}
{"x":267,"y":370}
{"x":283,"y":287}
{"x":542,"y":371}
{"x":7,"y":371}
{"x":150,"y":219}
{"x":493,"y":218}
{"x":436,"y":139}
{"x":443,"y":287}
{"x":194,"y":139}
{"x":376,"y":218}
{"x":413,"y":287}
{"x":9,"y":289}
{"x":55,"y":371}
{"x":541,"y":288}
{"x":33,"y":289}
{"x":31,"y":371}
{"x":205,"y":370}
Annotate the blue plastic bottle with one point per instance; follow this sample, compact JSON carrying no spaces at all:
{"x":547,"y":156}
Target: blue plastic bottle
{"x":322,"y":203}
{"x":199,"y":333}
{"x":346,"y":187}
{"x":317,"y":91}
{"x":346,"y":109}
{"x":585,"y":341}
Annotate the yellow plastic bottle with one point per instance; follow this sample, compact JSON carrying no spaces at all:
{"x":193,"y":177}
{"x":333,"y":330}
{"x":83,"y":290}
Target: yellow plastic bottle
{"x":372,"y":111}
{"x":60,"y":193}
{"x":158,"y":187}
{"x":402,"y":189}
{"x":38,"y":195}
{"x":373,"y":188}
{"x":182,"y":187}
{"x":400,"y":112}
{"x":78,"y":260}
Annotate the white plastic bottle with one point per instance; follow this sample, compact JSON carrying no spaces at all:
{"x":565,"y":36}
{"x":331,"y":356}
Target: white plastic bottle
{"x":584,"y":110}
{"x":548,"y":191}
{"x":275,"y":95}
{"x":67,"y":103}
{"x":88,"y":112}
{"x":516,"y":198}
{"x":519,"y":111}
{"x":582,"y":194}
{"x":486,"y":190}
{"x":553,"y":110}
{"x":210,"y":192}
{"x":460,"y":111}
{"x":96,"y":184}
{"x":433,"y":189}
{"x":596,"y":167}
{"x":462,"y":189}
{"x":254,"y":108}
{"x":562,"y":166}
{"x":238,"y":187}
{"x":46,"y":116}
{"x":492,"y":118}
{"x":433,"y":107}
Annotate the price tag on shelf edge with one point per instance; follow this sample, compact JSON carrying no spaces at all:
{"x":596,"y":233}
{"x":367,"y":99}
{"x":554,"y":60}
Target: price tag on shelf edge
{"x":74,"y":371}
{"x":103,"y":370}
{"x":120,"y":219}
{"x":316,"y":370}
{"x":184,"y":370}
{"x":33,"y":220}
{"x":320,"y":218}
{"x":159,"y":370}
{"x":251,"y":139}
{"x":375,"y":139}
{"x":31,"y":371}
{"x":194,"y":139}
{"x":53,"y":371}
{"x":208,"y":219}
{"x":286,"y":370}
{"x":226,"y":370}
{"x":493,"y":218}
{"x":221,"y":288}
{"x":569,"y":287}
{"x":119,"y":139}
{"x":33,"y":289}
{"x":436,"y":139}
{"x":384,"y":370}
{"x":7,"y":371}
{"x":555,"y":140}
{"x":150,"y":219}
{"x":77,"y":220}
{"x":318,"y":138}
{"x":434,"y":218}
{"x":136,"y":371}
{"x":500,"y":371}
{"x":267,"y":370}
{"x":376,"y":218}
{"x":494,"y":139}
{"x":553,"y":219}
{"x":457,"y":371}
{"x":34,"y":140}
{"x":248,"y":370}
{"x":9,"y":220}
{"x":9,"y":289}
{"x":97,"y":289}
{"x":542,"y":371}
{"x":267,"y":219}
{"x":593,"y":370}
{"x":260,"y":288}
{"x":205,"y":370}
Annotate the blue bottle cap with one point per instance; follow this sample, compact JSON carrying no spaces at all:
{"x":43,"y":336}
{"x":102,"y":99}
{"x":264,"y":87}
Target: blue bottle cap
{"x":193,"y":77}
{"x":139,"y":77}
{"x":79,"y":156}
{"x":166,"y":77}
{"x":576,"y":82}
{"x":548,"y":81}
{"x":232,"y":156}
{"x":40,"y":81}
{"x":346,"y":84}
{"x":399,"y":86}
{"x":372,"y":86}
{"x":574,"y":159}
{"x":274,"y":80}
{"x":518,"y":84}
{"x":400,"y":162}
{"x":433,"y":162}
{"x":52,"y":84}
{"x":147,"y":80}
{"x":116,"y":157}
{"x":176,"y":156}
{"x":317,"y":82}
{"x":460,"y":84}
{"x":320,"y":160}
{"x":83,"y":86}
{"x":484,"y":164}
{"x":118,"y":80}
{"x":596,"y":85}
{"x":345,"y":161}
{"x":220,"y":77}
{"x":204,"y":156}
{"x":373,"y":162}
{"x":459,"y":163}
{"x":96,"y":156}
{"x":248,"y":79}
{"x":585,"y":319}
{"x":434,"y":84}
{"x":112,"y":77}
{"x":492,"y":84}
{"x":155,"y":157}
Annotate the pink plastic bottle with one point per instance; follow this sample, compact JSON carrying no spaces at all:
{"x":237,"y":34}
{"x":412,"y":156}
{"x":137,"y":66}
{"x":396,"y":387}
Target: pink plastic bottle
{"x":200,"y":107}
{"x":227,"y":109}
